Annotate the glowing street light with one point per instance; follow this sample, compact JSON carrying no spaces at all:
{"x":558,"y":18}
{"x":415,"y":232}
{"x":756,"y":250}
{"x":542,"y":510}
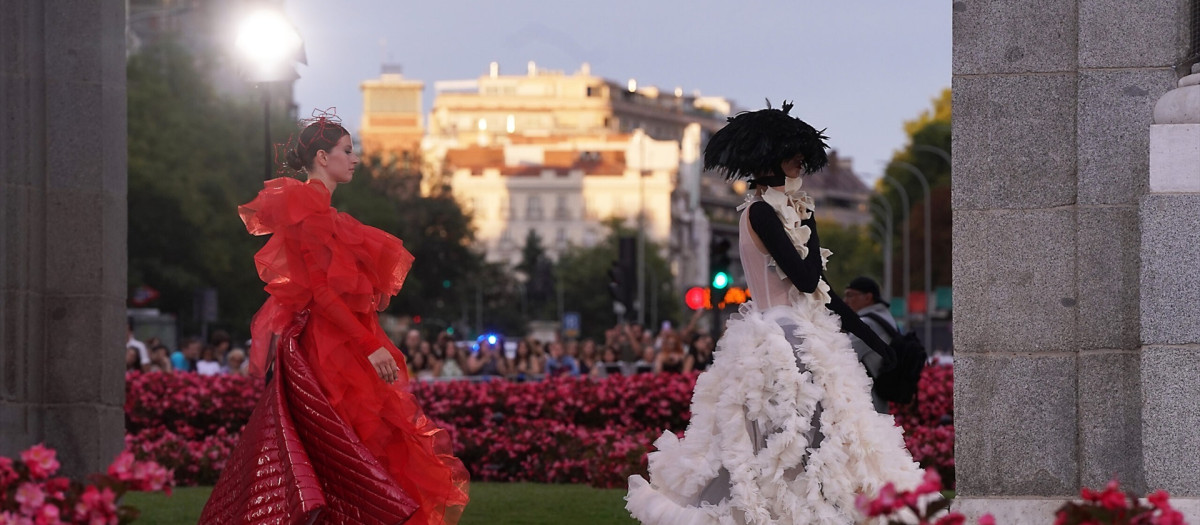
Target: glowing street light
{"x":270,"y":47}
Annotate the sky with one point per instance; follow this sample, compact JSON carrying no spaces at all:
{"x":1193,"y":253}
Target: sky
{"x":858,"y":68}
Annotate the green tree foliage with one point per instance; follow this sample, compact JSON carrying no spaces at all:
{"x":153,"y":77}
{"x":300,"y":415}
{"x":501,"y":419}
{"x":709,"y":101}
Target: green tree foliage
{"x":189,"y":167}
{"x":855,"y":253}
{"x":929,"y":139}
{"x":583,"y":272}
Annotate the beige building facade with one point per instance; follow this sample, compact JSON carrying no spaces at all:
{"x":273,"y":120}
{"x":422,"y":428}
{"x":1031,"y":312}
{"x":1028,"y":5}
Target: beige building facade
{"x":392,"y":126}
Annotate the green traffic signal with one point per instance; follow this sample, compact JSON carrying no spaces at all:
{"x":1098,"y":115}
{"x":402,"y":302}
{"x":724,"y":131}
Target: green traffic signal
{"x":720,"y":280}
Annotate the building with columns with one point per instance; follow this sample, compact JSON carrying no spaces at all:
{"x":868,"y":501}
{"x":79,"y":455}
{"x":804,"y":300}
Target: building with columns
{"x":1076,"y":253}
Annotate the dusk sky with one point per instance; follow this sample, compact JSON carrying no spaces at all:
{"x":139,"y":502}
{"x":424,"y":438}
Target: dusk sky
{"x":858,"y":68}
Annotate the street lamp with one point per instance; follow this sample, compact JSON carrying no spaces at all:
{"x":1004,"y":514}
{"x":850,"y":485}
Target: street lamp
{"x":928,"y":250}
{"x":907,"y":274}
{"x":885,"y":210}
{"x":270,"y":47}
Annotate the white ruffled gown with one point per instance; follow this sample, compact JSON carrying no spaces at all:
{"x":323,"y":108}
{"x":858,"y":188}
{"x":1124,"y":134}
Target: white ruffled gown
{"x":782,"y":430}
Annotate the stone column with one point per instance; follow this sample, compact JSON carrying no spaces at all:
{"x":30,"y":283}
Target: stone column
{"x":1170,"y":298}
{"x":1052,"y":104}
{"x":63,"y":235}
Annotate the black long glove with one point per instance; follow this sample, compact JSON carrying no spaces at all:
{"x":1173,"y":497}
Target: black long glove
{"x":806,"y":272}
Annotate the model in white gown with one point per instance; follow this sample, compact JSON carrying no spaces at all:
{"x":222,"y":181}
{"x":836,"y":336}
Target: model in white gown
{"x":783,"y":430}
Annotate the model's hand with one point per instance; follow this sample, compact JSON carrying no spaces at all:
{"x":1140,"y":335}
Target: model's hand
{"x":385,"y":365}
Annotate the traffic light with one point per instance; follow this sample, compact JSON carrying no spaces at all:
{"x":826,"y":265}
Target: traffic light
{"x":697,"y":298}
{"x":718,"y":264}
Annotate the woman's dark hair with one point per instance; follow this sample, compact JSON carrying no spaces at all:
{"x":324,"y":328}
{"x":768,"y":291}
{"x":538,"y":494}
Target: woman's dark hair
{"x":321,"y":135}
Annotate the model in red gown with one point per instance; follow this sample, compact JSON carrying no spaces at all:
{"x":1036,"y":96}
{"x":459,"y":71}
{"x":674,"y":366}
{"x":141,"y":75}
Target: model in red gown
{"x":331,"y":440}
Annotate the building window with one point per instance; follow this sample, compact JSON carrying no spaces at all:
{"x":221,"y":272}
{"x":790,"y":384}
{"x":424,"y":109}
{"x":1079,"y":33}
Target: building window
{"x":533,"y":210}
{"x":512,"y":208}
{"x":560,"y":239}
{"x":561,"y":211}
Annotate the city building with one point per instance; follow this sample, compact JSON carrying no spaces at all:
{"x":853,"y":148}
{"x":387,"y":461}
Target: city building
{"x":392,"y":125}
{"x":543,"y":102}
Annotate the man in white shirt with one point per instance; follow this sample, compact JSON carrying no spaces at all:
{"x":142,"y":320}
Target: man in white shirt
{"x":143,"y":353}
{"x":862,"y":294}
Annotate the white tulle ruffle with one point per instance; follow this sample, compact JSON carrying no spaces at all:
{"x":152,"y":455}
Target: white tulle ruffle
{"x":754,"y":378}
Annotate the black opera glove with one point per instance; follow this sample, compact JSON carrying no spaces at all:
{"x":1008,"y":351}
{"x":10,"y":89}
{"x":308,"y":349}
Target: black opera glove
{"x":804,"y":272}
{"x":852,"y":323}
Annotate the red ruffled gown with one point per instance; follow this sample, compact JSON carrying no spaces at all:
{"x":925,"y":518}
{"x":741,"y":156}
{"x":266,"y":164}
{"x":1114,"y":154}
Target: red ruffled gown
{"x":331,"y":440}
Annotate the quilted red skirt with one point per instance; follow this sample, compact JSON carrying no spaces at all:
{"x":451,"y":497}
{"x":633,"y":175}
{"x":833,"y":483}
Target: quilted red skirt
{"x":299,"y":461}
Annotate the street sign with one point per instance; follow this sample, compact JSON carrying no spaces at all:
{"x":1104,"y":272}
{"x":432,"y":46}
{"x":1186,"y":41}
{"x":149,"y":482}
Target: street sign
{"x":571,"y":324}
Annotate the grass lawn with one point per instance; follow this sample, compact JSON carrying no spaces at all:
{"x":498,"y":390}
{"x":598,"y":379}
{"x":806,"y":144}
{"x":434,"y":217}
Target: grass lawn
{"x":491,"y":503}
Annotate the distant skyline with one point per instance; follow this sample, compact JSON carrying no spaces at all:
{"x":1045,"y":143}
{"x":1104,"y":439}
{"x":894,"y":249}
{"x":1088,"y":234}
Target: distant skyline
{"x":857,"y":68}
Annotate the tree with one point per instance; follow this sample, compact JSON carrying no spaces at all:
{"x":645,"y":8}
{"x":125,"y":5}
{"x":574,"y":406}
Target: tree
{"x":583,"y":272}
{"x":189,"y":168}
{"x":854,"y":254}
{"x":929,"y":138}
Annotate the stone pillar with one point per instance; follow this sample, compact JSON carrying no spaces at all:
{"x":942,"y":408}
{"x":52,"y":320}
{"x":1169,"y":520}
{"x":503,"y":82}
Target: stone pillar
{"x":1052,"y":104}
{"x":1170,"y":297}
{"x":63,"y":234}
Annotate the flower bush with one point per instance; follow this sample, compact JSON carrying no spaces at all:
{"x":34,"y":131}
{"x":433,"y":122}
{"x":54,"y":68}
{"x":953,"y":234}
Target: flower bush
{"x":929,"y":422}
{"x":561,"y":430}
{"x":30,"y":494}
{"x":1111,"y":506}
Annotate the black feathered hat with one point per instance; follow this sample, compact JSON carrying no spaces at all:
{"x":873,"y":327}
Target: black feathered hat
{"x":753,"y":145}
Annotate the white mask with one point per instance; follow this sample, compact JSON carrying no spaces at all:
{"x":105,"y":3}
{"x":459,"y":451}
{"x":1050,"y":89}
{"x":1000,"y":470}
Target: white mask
{"x":792,"y":184}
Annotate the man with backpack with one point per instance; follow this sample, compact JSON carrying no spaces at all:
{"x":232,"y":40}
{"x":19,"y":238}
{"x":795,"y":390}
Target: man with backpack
{"x":862,"y":294}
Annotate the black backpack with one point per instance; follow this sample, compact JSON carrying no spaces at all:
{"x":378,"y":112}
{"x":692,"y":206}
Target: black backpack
{"x":899,"y":385}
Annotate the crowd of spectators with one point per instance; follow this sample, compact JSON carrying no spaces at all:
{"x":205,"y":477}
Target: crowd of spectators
{"x":625,"y":349}
{"x":216,"y":356}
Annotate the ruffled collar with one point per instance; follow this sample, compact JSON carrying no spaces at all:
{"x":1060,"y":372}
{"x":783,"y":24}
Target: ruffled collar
{"x":793,"y":206}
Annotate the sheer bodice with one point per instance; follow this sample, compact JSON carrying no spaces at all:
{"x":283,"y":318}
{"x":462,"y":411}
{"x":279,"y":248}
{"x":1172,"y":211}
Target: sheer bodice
{"x":766,"y":287}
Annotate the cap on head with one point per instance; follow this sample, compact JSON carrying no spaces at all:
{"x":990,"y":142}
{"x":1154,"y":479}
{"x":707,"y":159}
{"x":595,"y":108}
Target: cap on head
{"x":867,"y":285}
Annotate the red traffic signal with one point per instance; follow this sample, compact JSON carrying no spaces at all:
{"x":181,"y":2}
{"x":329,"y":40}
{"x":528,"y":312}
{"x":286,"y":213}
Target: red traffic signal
{"x":696,"y":298}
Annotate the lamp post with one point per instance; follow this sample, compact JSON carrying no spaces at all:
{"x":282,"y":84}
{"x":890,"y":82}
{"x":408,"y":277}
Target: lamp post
{"x":936,"y":151}
{"x":905,"y":244}
{"x":885,"y":210}
{"x":928,"y":250}
{"x":270,"y":48}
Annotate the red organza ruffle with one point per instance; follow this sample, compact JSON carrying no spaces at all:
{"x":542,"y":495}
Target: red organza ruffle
{"x":365,"y":266}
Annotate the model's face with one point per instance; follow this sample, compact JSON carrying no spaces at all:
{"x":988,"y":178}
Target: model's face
{"x":856,"y":299}
{"x":340,"y":160}
{"x":793,"y":167}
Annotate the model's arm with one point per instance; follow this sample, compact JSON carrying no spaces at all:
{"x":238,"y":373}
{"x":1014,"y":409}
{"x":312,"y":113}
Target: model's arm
{"x":331,"y":307}
{"x":805,"y":273}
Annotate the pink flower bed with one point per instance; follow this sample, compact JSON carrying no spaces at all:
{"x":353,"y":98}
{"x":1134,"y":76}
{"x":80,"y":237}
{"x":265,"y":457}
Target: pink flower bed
{"x":30,"y":493}
{"x":929,"y":423}
{"x":561,"y":430}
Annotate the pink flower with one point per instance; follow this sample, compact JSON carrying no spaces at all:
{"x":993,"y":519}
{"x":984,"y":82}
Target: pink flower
{"x":30,"y":497}
{"x":8,"y":518}
{"x":987,"y":519}
{"x":122,"y":465}
{"x":40,"y":461}
{"x":96,"y":507}
{"x":47,"y":515}
{"x":952,"y":518}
